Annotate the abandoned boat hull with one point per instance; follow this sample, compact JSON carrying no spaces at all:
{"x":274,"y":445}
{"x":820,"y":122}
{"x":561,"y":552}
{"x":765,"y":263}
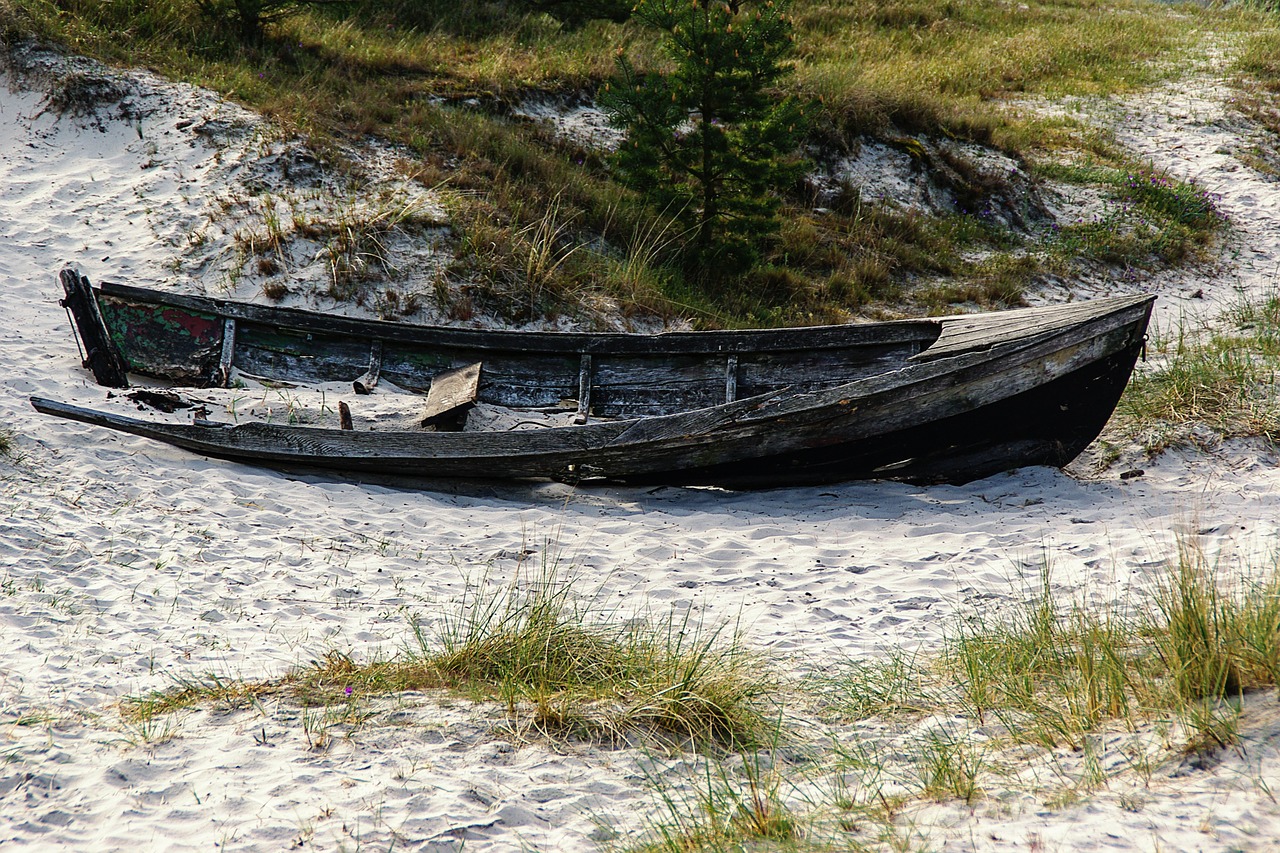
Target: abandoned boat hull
{"x":967,"y":404}
{"x":956,"y":449}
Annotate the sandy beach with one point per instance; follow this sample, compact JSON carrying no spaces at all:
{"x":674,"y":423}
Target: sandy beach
{"x":127,"y":566}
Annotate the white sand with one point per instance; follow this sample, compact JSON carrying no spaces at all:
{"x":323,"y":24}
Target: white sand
{"x":125,"y":565}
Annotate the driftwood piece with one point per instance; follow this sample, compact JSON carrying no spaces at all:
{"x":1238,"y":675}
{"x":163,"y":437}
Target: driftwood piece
{"x":164,"y":401}
{"x":344,"y":416}
{"x":452,"y":395}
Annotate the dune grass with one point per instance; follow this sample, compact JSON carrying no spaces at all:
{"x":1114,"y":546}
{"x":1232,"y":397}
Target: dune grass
{"x":1036,"y":698}
{"x":1257,"y":80}
{"x":1207,"y":385}
{"x":1053,"y":674}
{"x":559,"y":666}
{"x":921,"y":65}
{"x":1031,"y":701}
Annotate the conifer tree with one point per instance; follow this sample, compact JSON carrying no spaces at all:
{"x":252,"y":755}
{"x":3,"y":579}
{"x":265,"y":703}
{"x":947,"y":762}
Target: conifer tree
{"x":709,"y":141}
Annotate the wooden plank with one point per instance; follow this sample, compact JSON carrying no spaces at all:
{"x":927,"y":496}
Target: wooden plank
{"x":228,"y":352}
{"x":100,"y":354}
{"x":452,"y":394}
{"x":584,"y":390}
{"x":971,"y":332}
{"x":800,"y":339}
{"x":165,"y":341}
{"x":298,"y":356}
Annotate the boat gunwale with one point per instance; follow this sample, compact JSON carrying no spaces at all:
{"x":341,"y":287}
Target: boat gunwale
{"x":927,"y":331}
{"x":924,"y":331}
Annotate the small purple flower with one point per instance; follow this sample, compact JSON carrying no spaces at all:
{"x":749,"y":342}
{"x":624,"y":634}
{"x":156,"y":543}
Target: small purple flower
{"x":348,"y":690}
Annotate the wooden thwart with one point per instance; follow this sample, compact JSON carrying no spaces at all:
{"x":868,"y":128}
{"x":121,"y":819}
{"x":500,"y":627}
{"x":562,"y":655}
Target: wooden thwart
{"x":452,"y":395}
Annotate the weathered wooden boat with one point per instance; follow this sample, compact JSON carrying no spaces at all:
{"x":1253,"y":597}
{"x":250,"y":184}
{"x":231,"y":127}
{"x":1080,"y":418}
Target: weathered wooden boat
{"x":946,"y":399}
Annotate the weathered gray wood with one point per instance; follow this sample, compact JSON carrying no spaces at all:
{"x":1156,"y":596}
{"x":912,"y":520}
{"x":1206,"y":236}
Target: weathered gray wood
{"x":1033,"y":400}
{"x":731,"y":379}
{"x":452,"y":394}
{"x":584,"y":390}
{"x":100,"y":353}
{"x":228,"y":352}
{"x":969,"y":332}
{"x":744,"y":340}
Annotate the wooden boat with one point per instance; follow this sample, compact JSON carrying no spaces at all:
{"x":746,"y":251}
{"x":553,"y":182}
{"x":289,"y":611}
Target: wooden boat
{"x":946,"y":399}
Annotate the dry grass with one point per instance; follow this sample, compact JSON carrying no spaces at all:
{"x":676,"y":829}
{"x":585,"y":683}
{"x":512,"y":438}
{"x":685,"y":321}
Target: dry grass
{"x":1052,"y":675}
{"x":1038,"y":701}
{"x":1026,"y":700}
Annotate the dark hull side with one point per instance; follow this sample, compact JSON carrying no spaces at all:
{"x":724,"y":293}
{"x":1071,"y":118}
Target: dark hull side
{"x":1049,"y":425}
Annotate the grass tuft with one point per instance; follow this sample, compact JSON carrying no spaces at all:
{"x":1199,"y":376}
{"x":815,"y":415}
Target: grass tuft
{"x":536,"y":642}
{"x":950,"y":766}
{"x":1224,"y":381}
{"x":1218,"y":644}
{"x":1052,"y":675}
{"x":1147,"y":218}
{"x":733,"y":805}
{"x":560,"y":668}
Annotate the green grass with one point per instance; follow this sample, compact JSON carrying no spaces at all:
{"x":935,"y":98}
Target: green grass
{"x":921,"y":65}
{"x":529,"y":212}
{"x":1220,"y":380}
{"x":1148,"y":219}
{"x":1052,"y":675}
{"x":727,"y":808}
{"x":6,"y":443}
{"x":1257,"y":69}
{"x":560,"y":668}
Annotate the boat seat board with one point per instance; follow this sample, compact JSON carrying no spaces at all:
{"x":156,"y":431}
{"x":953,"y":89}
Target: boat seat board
{"x":452,"y":394}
